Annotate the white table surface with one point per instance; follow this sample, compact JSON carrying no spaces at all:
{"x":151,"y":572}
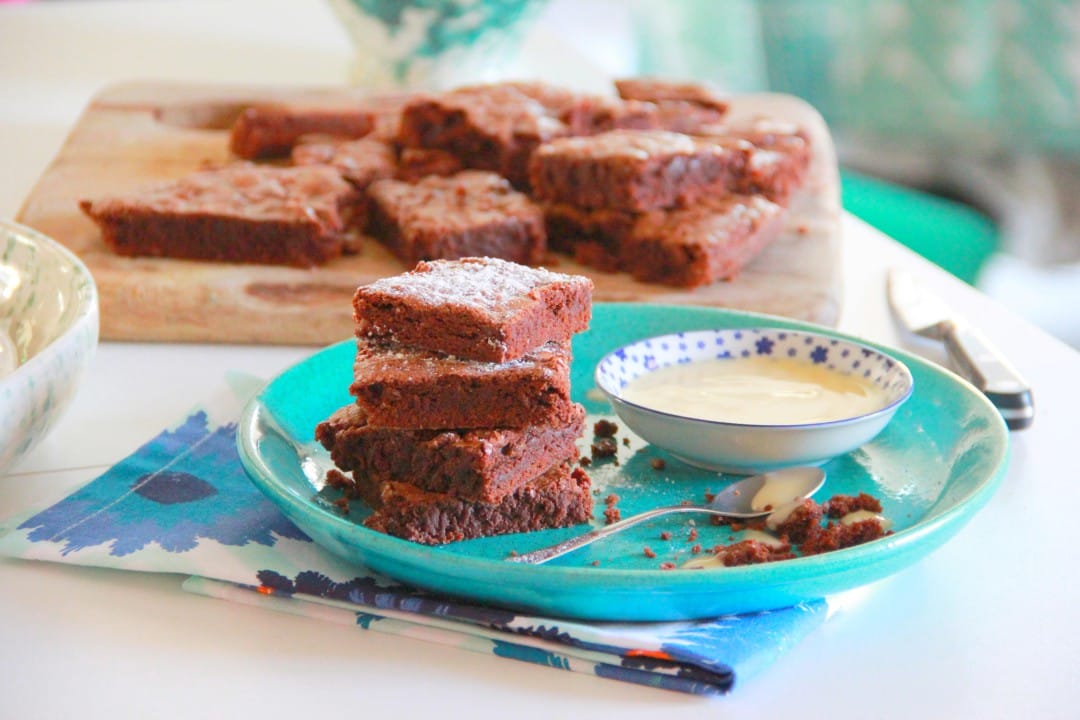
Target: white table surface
{"x":985,"y":627}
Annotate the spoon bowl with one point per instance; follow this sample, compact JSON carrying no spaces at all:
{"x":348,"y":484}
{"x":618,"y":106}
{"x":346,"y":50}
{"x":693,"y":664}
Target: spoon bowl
{"x":752,"y":497}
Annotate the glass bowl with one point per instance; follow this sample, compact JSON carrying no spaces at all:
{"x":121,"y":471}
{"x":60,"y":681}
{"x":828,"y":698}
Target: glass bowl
{"x":48,"y":335}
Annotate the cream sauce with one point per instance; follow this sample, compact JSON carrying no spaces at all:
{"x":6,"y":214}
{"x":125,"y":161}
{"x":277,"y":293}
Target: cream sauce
{"x":755,"y":391}
{"x":859,"y":515}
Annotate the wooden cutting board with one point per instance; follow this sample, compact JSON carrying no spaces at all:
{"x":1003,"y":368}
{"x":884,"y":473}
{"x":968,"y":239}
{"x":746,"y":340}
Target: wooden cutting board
{"x":134,"y":134}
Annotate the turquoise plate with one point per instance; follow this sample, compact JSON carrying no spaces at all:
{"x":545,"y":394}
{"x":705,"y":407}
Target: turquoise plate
{"x":933,"y":467}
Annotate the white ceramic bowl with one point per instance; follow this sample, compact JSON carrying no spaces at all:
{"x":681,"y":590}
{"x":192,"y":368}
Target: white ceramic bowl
{"x":48,"y":334}
{"x":747,"y":448}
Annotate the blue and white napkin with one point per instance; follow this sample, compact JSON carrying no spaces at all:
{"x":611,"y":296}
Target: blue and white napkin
{"x":182,"y":503}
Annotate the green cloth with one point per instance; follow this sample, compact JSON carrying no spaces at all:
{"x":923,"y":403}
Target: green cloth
{"x":949,"y":234}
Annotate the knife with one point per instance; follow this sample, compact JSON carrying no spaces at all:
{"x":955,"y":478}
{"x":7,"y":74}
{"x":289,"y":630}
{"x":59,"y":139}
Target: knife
{"x":973,"y":356}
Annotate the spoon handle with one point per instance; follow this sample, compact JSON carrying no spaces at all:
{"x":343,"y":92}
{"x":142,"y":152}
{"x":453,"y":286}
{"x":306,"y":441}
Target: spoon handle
{"x":544,"y":554}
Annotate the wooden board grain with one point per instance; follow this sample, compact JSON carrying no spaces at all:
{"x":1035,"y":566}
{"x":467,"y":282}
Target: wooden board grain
{"x":134,"y":134}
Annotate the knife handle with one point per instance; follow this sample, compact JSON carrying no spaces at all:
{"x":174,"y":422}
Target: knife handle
{"x":980,"y":362}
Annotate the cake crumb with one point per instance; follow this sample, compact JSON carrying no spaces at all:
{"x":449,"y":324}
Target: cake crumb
{"x":657,"y":463}
{"x":612,"y":514}
{"x":665,"y":535}
{"x":693,"y":534}
{"x":604,"y":447}
{"x":605,"y":429}
{"x":649,"y":552}
{"x":667,"y":566}
{"x":840,"y":505}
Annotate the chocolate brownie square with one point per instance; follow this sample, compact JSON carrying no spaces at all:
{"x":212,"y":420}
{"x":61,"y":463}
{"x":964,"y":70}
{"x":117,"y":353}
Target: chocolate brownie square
{"x":471,"y":213}
{"x":779,"y":163}
{"x":661,"y":90}
{"x":273,"y":129}
{"x":489,"y":127}
{"x":592,"y":237}
{"x":594,"y":114}
{"x":415,"y":164}
{"x":475,"y":308}
{"x":417,"y":389}
{"x":688,"y":247}
{"x":361,"y":162}
{"x":680,"y":106}
{"x":560,"y":497}
{"x":484,"y":464}
{"x":635,"y":170}
{"x":243,"y":213}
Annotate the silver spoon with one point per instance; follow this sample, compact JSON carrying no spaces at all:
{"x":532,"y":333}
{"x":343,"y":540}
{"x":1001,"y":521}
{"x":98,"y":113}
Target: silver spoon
{"x":752,"y":497}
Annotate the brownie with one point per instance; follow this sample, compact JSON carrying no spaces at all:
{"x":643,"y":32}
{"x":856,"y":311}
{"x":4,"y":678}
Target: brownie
{"x":471,"y":213}
{"x":273,"y":129}
{"x":417,"y":163}
{"x":592,"y":114}
{"x":488,"y":127}
{"x":361,"y":162}
{"x":242,"y":213}
{"x":475,"y":308}
{"x":560,"y":497}
{"x":636,"y":170}
{"x":779,"y":163}
{"x":680,"y":106}
{"x":661,"y":90}
{"x":417,"y":389}
{"x":386,"y":108}
{"x":497,"y":126}
{"x":688,"y":247}
{"x":484,"y":464}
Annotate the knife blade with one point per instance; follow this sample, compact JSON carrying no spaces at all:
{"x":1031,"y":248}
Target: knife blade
{"x":973,"y":357}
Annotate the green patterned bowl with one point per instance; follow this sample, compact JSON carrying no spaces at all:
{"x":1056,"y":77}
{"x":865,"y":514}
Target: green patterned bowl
{"x":48,"y":334}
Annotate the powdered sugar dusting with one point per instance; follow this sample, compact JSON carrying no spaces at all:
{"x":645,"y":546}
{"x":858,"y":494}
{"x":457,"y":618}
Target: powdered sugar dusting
{"x":487,"y":284}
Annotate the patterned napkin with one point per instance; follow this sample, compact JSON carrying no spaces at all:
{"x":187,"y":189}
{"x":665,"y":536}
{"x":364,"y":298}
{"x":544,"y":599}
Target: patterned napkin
{"x":183,"y":504}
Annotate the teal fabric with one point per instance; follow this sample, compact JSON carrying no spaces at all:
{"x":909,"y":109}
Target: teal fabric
{"x":949,"y":234}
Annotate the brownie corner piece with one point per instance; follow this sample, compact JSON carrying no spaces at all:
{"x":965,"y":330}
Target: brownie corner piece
{"x":474,"y":308}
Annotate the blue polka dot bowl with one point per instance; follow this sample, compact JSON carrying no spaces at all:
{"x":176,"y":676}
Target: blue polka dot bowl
{"x":48,"y":335}
{"x":744,"y":447}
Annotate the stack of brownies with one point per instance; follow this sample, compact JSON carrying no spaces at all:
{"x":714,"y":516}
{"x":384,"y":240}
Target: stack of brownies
{"x":462,"y":424}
